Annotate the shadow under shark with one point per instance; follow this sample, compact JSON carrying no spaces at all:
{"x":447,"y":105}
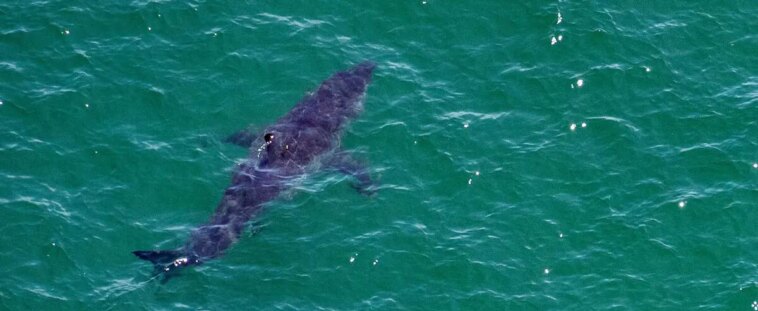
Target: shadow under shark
{"x":308,"y":133}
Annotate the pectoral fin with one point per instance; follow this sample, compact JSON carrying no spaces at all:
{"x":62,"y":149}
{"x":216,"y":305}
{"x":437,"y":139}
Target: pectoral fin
{"x":243,"y":138}
{"x":346,"y":164}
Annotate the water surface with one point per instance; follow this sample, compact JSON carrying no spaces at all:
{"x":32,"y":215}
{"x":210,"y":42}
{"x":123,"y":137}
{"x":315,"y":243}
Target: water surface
{"x":506,"y":183}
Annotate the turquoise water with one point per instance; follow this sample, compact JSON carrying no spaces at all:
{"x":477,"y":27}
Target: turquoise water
{"x":113,"y":115}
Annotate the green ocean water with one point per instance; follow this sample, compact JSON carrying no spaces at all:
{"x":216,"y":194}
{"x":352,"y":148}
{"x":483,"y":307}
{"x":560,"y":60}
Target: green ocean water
{"x":505,"y":182}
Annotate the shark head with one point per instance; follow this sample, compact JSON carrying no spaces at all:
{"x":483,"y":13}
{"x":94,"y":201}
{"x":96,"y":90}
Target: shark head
{"x":315,"y":124}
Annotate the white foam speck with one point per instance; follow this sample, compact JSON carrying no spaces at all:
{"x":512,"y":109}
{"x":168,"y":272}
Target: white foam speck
{"x":647,"y":69}
{"x":553,"y":41}
{"x":86,"y":105}
{"x":477,"y":173}
{"x":1,"y":102}
{"x":352,"y":259}
{"x":572,"y":126}
{"x":53,"y":243}
{"x":560,"y":235}
{"x":547,"y":271}
{"x":376,"y":261}
{"x":415,"y":142}
{"x":469,"y":181}
{"x":755,"y":165}
{"x":66,"y":32}
{"x":95,"y":151}
{"x":584,"y":124}
{"x":560,"y":37}
{"x":579,"y":82}
{"x":149,"y":28}
{"x":572,"y":85}
{"x":560,"y":18}
{"x":465,"y":125}
{"x":682,"y":204}
{"x":755,"y":305}
{"x":423,"y":2}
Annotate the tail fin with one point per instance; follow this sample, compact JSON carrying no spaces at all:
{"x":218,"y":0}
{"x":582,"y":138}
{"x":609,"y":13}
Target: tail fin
{"x":158,"y":257}
{"x":166,"y":263}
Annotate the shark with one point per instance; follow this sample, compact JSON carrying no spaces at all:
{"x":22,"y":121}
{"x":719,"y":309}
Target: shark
{"x":307,"y":136}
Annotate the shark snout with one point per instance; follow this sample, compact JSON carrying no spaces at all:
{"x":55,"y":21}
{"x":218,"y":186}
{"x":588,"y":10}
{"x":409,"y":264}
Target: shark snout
{"x":364,"y":69}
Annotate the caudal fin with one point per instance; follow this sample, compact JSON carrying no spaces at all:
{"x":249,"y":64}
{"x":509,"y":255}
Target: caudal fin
{"x":166,"y":262}
{"x":158,"y":257}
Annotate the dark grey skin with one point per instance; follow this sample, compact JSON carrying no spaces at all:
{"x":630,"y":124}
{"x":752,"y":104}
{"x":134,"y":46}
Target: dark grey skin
{"x":309,"y":133}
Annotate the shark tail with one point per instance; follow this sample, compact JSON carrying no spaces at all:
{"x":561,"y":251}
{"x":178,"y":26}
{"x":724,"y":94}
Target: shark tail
{"x":166,"y":262}
{"x":160,"y":257}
